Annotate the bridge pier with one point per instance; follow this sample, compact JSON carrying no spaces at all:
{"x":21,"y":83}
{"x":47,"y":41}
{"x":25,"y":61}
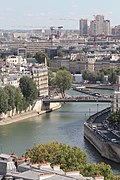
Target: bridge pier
{"x":46,"y":106}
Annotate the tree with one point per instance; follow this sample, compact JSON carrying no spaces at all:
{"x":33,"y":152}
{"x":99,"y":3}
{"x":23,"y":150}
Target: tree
{"x":97,"y":170}
{"x":40,"y":57}
{"x":69,"y":158}
{"x":3,"y":101}
{"x":51,"y":78}
{"x":112,"y":78}
{"x":28,"y":89}
{"x":63,"y":81}
{"x":60,"y":53}
{"x":18,"y":100}
{"x":114,"y":119}
{"x":10,"y":91}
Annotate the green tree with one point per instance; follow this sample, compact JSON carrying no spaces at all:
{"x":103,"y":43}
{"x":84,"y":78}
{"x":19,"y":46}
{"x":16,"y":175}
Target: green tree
{"x":63,"y":81}
{"x":10,"y":91}
{"x":85,"y":75}
{"x":3,"y":101}
{"x":28,"y":89}
{"x":18,"y":100}
{"x":114,"y":119}
{"x":97,"y":170}
{"x":51,"y":78}
{"x":112,"y":78}
{"x":69,"y":158}
{"x":60,"y":53}
{"x":58,"y":153}
{"x":40,"y":57}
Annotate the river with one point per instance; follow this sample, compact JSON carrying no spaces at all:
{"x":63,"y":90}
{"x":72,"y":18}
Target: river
{"x":64,"y":125}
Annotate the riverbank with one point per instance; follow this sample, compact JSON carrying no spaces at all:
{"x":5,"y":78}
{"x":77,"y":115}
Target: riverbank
{"x":105,"y":142}
{"x":28,"y":114}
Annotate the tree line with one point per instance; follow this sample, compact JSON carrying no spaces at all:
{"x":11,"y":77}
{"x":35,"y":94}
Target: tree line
{"x":99,"y":76}
{"x":19,"y":98}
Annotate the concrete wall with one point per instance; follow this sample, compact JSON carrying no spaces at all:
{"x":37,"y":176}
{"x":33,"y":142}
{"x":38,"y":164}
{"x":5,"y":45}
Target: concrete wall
{"x":38,"y":106}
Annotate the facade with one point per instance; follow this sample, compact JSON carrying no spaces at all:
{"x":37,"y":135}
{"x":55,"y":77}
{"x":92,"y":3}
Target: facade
{"x":40,"y":76}
{"x":116,"y":30}
{"x":106,"y":63}
{"x":14,"y":60}
{"x":77,"y":78}
{"x":90,"y":62}
{"x":106,"y":27}
{"x":58,"y":62}
{"x":116,"y":99}
{"x":83,"y":27}
{"x":100,"y":26}
{"x":22,"y":52}
{"x":16,"y":67}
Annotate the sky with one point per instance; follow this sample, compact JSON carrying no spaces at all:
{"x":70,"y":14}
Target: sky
{"x":29,"y":14}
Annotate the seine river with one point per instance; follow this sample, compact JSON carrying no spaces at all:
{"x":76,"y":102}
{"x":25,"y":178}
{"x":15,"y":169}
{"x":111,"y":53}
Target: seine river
{"x":64,"y":125}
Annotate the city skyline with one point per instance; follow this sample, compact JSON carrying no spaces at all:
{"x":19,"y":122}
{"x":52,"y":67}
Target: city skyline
{"x":27,"y":14}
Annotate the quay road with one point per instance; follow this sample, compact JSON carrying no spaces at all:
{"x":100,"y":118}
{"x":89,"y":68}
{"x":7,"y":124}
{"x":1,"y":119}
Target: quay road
{"x":103,"y":129}
{"x":78,"y":99}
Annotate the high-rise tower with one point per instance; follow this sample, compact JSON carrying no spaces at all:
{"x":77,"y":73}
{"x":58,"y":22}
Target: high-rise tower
{"x":99,"y":26}
{"x":83,"y":27}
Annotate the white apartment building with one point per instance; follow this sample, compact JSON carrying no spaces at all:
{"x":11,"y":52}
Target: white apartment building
{"x":40,"y":76}
{"x":14,"y":60}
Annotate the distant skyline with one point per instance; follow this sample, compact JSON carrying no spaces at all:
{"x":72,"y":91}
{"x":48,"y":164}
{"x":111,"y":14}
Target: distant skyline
{"x":28,"y":14}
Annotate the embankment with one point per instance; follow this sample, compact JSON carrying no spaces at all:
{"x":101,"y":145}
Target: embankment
{"x":37,"y":110}
{"x":106,"y":148}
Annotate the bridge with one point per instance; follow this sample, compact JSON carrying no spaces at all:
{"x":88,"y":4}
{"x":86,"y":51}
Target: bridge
{"x":78,"y":99}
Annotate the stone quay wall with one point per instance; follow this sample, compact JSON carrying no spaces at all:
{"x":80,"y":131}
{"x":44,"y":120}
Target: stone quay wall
{"x":106,"y":148}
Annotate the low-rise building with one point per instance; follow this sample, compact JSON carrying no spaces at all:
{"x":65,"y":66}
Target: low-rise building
{"x":9,"y":170}
{"x":77,"y":78}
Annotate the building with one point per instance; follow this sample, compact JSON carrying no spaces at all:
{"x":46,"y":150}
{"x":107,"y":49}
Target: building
{"x":12,"y":169}
{"x":14,"y":60}
{"x":99,"y":26}
{"x":77,"y":78}
{"x":83,"y":27}
{"x":40,"y":76}
{"x":22,"y":52}
{"x":116,"y":31}
{"x":106,"y":27}
{"x":116,"y":96}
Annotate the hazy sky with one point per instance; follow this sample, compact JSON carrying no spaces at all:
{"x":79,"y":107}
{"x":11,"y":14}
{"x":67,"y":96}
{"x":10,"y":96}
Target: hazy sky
{"x":45,"y":13}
